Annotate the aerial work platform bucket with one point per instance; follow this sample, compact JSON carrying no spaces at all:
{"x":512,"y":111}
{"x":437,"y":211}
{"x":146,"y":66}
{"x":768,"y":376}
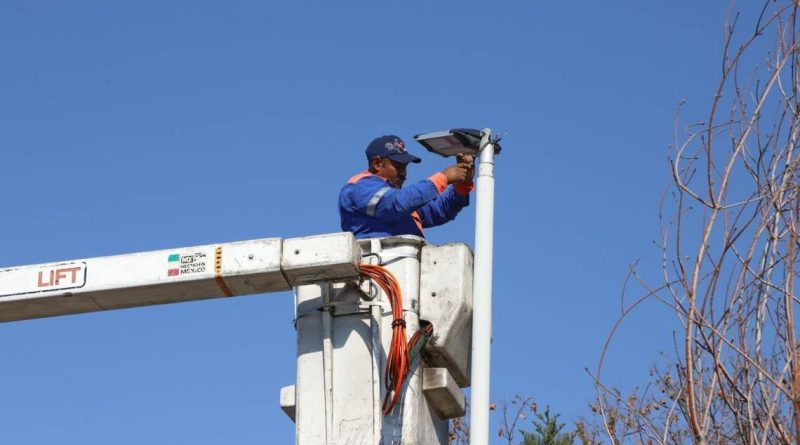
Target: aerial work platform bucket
{"x":344,"y":330}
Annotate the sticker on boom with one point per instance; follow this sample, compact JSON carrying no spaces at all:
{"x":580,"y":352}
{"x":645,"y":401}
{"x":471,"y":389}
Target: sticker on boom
{"x":182,"y":264}
{"x":64,"y":276}
{"x":31,"y":280}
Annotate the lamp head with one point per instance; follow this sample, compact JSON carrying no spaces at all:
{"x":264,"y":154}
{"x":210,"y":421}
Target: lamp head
{"x":453,"y":142}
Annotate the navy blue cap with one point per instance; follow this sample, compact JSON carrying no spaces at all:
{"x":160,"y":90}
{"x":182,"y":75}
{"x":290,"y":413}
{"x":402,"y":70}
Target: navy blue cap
{"x":391,"y":147}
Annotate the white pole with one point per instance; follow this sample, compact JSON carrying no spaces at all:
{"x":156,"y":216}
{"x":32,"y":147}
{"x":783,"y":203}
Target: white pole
{"x":482,"y":295}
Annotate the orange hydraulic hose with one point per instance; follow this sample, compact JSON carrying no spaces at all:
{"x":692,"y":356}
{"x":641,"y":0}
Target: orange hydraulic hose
{"x":397,"y":362}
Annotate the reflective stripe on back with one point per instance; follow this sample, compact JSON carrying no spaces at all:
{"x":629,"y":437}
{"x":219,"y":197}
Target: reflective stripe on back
{"x":373,"y":202}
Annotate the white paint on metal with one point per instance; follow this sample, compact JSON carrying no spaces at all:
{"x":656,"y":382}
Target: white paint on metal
{"x":442,"y":391}
{"x":48,"y":277}
{"x":482,"y":295}
{"x":318,"y":258}
{"x":343,"y":326}
{"x":327,"y":354}
{"x":345,"y":383}
{"x":401,"y":256}
{"x":377,"y":354}
{"x":378,"y":361}
{"x":287,"y":401}
{"x":310,"y":420}
{"x":173,"y":275}
{"x":139,"y":279}
{"x":446,"y":302}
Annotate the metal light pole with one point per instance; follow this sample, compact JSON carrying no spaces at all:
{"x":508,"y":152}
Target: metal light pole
{"x":482,"y":294}
{"x":466,"y":141}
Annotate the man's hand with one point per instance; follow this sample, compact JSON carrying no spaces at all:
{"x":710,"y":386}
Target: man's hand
{"x":456,"y":173}
{"x":462,"y":172}
{"x":469,"y":161}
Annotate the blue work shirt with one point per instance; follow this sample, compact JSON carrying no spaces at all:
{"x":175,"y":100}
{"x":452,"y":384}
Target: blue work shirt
{"x":370,"y":207}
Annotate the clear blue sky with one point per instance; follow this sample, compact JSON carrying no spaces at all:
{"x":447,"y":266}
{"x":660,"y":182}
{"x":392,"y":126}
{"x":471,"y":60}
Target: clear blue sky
{"x":133,"y":126}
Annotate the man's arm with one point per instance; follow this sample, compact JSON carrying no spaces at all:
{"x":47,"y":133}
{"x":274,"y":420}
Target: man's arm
{"x":372,"y":196}
{"x":445,"y":207}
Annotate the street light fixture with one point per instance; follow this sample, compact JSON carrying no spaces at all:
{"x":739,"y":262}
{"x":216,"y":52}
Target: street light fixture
{"x":452,"y":142}
{"x":481,"y":143}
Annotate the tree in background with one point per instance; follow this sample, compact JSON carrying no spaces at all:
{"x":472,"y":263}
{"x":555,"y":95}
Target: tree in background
{"x":546,"y":429}
{"x":729,"y":252}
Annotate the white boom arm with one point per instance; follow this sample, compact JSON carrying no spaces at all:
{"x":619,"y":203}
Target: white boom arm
{"x":343,"y":331}
{"x":175,"y":275}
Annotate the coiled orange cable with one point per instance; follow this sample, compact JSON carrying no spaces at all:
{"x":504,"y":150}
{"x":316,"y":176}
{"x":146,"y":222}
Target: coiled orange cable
{"x":398,"y":359}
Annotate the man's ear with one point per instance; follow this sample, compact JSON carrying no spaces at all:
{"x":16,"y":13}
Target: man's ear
{"x":375,"y":163}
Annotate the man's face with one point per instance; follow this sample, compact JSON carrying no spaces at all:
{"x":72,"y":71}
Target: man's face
{"x":393,"y":171}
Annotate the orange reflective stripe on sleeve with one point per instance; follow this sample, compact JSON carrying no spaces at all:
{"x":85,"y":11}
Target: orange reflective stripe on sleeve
{"x":464,"y":189}
{"x":359,"y":177}
{"x":439,"y":180}
{"x":418,"y":222}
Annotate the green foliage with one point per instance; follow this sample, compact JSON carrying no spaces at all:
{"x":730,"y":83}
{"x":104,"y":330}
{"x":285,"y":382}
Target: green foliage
{"x":547,"y":431}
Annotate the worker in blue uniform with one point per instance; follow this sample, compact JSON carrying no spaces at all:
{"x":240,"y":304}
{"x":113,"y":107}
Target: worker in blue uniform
{"x":373,"y":203}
